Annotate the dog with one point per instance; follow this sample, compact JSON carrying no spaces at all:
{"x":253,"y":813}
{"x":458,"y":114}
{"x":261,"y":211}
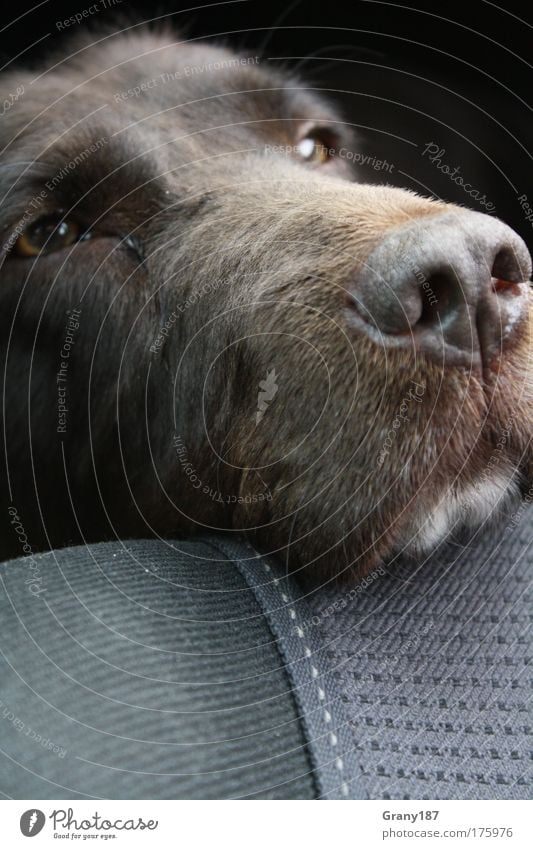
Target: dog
{"x":209,"y":326}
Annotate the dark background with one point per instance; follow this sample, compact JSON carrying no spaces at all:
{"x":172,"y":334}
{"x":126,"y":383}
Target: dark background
{"x":456,"y":74}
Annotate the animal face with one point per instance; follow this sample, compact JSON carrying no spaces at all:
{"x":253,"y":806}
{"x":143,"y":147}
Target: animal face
{"x":207,"y":325}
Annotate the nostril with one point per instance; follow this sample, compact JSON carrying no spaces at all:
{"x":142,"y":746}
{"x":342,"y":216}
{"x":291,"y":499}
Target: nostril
{"x":507,"y":275}
{"x":441,"y":298}
{"x":444,"y":328}
{"x":506,"y":269}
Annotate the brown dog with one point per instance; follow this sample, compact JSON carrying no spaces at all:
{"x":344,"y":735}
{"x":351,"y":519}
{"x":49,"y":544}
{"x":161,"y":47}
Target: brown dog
{"x":206,"y":325}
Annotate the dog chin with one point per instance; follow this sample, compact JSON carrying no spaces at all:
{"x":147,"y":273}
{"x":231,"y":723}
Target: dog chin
{"x":461,"y":510}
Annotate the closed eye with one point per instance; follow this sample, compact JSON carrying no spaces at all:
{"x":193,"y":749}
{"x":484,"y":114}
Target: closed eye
{"x":55,"y":232}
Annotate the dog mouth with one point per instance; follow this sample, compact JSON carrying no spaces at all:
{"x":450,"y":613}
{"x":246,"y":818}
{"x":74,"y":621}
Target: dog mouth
{"x":487,"y":488}
{"x":483,"y":472}
{"x":463,"y":508}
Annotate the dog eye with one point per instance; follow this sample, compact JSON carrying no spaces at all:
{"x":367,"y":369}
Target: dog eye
{"x":47,"y":235}
{"x":317,"y":147}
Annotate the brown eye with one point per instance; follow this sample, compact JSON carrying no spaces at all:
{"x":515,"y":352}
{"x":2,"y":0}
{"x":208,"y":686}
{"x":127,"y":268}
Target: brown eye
{"x":317,"y":147}
{"x":46,"y":236}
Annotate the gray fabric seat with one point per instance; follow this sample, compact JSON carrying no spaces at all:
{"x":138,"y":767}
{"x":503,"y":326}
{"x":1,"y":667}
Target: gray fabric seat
{"x":432,"y":664}
{"x":171,"y":669}
{"x":151,"y":672}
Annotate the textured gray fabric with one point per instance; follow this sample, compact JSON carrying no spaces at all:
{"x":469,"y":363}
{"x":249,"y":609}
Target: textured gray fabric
{"x":431,"y":663}
{"x":337,"y":771}
{"x":152,"y":672}
{"x":142,"y":670}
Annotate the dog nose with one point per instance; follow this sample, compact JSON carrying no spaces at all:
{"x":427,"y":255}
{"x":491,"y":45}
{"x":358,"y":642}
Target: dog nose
{"x":454,"y":286}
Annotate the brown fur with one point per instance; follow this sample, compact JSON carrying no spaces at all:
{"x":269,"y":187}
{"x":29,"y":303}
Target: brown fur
{"x":272,"y":244}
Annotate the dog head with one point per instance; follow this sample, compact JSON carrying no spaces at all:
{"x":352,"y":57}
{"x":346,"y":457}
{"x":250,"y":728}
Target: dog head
{"x":206,"y":324}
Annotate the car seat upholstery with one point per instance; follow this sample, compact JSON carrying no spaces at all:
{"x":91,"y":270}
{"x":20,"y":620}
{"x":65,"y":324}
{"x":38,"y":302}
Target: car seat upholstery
{"x":200,"y":669}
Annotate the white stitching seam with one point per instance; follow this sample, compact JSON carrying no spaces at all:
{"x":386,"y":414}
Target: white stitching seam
{"x":333,"y":739}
